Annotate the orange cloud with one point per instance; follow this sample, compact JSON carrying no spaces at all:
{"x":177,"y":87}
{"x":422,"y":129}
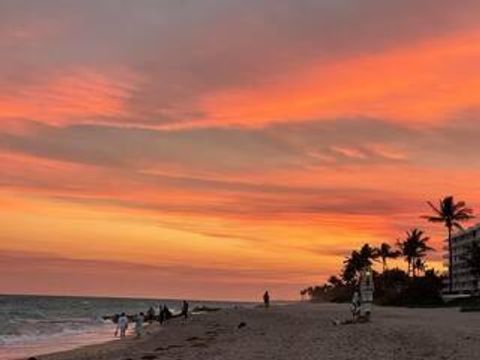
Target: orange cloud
{"x":70,"y":97}
{"x":349,"y":152}
{"x":281,"y":205}
{"x":425,"y":83}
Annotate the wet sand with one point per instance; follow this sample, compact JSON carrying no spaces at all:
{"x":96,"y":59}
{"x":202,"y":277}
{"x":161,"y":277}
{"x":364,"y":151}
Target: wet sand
{"x":300,"y":331}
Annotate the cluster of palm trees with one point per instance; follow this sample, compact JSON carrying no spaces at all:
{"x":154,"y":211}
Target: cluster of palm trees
{"x":414,"y":247}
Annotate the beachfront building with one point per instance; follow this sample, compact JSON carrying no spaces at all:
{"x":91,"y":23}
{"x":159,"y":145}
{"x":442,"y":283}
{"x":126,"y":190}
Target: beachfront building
{"x":463,"y":281}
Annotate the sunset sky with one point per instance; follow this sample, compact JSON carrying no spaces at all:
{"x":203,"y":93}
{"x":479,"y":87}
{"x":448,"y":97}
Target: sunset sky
{"x":213,"y":149}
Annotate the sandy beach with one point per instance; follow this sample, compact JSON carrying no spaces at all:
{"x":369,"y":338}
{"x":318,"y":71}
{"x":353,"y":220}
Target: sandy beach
{"x":300,"y":331}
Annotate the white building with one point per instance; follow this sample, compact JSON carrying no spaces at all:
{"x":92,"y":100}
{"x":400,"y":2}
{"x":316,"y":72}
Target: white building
{"x":463,"y":281}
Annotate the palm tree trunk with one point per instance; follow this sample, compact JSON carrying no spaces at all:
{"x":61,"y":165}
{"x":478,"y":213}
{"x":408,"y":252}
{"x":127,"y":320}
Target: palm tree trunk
{"x":450,"y":260}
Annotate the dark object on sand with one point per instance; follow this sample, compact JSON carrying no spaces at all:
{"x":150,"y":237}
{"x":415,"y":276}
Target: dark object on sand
{"x":32,"y":358}
{"x":242,"y":325}
{"x":193,"y":338}
{"x":204,"y":308}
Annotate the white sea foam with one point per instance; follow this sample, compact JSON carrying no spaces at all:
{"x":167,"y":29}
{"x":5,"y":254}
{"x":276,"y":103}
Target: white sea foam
{"x":33,"y":325}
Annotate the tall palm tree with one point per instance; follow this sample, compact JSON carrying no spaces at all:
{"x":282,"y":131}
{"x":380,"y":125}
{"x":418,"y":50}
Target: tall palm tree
{"x":351,"y":265}
{"x":386,"y":252}
{"x":472,"y":260}
{"x":451,"y":214}
{"x":414,"y":247}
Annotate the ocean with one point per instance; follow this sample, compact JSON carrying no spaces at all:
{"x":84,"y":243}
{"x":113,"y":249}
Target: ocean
{"x":34,"y":325}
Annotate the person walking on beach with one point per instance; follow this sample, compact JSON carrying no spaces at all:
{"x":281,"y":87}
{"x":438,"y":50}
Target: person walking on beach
{"x":355,"y":306}
{"x":162,"y":315}
{"x":266,"y":299}
{"x":185,"y":309}
{"x":139,"y":324}
{"x":122,"y":325}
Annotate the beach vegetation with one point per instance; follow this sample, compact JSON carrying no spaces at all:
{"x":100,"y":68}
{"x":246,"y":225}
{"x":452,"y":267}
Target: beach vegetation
{"x":452,"y":214}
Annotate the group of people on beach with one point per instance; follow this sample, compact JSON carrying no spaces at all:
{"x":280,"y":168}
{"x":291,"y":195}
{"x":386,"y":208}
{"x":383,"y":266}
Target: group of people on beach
{"x":139,"y":319}
{"x":360,"y":307}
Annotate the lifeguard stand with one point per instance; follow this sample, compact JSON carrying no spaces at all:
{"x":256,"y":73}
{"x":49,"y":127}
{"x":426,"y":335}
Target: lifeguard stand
{"x":366,"y":292}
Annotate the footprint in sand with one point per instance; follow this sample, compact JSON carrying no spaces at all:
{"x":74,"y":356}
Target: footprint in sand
{"x":168,"y":347}
{"x":193,"y":338}
{"x":200,"y":345}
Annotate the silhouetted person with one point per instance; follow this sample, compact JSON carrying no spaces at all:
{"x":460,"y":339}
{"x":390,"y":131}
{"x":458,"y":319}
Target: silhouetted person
{"x":165,"y":314}
{"x":161,"y":314}
{"x":185,"y":309}
{"x":266,"y":299}
{"x":150,"y":314}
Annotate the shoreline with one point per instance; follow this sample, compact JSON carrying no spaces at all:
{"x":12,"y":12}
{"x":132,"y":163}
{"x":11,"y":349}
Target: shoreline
{"x":299,"y":331}
{"x":47,"y":344}
{"x":33,"y":325}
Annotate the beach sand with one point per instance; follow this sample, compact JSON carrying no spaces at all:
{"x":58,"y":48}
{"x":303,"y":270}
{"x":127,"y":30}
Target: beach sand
{"x":300,"y":331}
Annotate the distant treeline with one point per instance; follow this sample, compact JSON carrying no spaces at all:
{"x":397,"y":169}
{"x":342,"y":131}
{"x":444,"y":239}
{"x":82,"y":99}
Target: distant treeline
{"x":418,"y":286}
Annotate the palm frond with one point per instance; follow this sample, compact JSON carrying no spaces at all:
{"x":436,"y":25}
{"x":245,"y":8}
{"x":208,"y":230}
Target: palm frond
{"x":435,"y":209}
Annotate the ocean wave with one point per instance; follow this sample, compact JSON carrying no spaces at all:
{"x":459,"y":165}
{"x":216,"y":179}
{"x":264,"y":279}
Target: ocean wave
{"x":33,"y":330}
{"x":29,"y":319}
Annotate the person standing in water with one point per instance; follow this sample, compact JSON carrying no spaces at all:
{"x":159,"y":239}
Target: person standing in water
{"x":266,"y":299}
{"x":122,"y":325}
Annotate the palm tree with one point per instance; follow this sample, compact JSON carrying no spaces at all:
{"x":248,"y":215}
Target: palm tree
{"x":357,"y":261}
{"x":303,"y":292}
{"x":351,"y":265}
{"x":414,"y":247}
{"x":472,"y":260}
{"x":368,"y":255}
{"x":451,"y":214}
{"x":334,"y":281}
{"x":385,"y":252}
{"x":419,"y":265}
